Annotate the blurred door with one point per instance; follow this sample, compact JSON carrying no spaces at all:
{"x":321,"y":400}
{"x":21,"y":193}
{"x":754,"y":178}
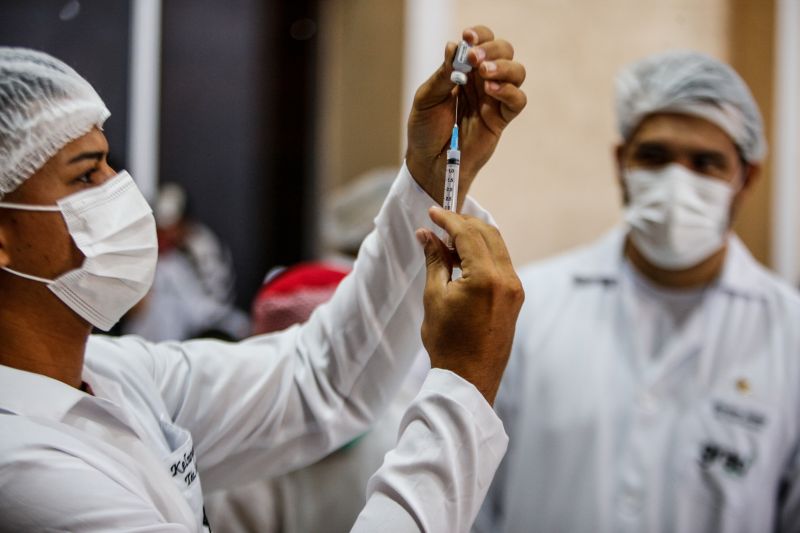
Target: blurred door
{"x":237,"y":125}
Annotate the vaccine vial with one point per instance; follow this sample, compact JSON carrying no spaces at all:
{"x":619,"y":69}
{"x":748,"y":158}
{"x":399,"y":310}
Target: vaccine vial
{"x":460,"y":64}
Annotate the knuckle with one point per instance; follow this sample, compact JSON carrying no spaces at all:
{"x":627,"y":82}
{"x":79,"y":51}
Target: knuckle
{"x":419,"y":94}
{"x":507,"y":47}
{"x":523,"y":99}
{"x":515,"y":291}
{"x":523,"y":73}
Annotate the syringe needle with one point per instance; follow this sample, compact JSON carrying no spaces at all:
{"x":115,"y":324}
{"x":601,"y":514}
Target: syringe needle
{"x":456,"y":113}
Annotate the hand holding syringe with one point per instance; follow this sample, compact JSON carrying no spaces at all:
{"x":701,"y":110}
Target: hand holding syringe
{"x":459,"y":76}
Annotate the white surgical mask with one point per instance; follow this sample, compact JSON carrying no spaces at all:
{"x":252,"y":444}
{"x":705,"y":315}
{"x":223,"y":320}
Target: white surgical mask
{"x":113,"y":226}
{"x":676,"y":218}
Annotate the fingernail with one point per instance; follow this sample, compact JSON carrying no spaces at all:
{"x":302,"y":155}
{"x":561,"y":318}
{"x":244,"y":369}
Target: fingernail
{"x":480,"y":53}
{"x":489,"y":66}
{"x":472,"y":34}
{"x":422,"y":236}
{"x":492,"y":86}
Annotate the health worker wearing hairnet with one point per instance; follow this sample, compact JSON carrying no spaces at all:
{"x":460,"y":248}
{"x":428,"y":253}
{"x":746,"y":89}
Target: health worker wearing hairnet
{"x":654,"y":383}
{"x":117,"y":434}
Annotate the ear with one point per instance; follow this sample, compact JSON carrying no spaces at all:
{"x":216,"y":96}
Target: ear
{"x":4,"y":258}
{"x":750,"y":175}
{"x":752,"y":172}
{"x":619,"y":164}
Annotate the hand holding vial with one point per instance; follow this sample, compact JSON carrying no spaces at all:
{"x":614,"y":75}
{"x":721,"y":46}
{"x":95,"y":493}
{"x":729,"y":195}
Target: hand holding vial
{"x":488,"y":101}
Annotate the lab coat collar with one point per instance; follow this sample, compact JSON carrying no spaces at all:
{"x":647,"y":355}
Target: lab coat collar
{"x":31,"y":394}
{"x":604,"y":259}
{"x":741,"y":273}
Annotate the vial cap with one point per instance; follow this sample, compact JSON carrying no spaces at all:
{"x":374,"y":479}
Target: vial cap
{"x":458,"y":77}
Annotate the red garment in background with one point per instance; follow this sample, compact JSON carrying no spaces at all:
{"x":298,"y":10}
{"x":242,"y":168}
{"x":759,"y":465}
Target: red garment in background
{"x":290,"y":297}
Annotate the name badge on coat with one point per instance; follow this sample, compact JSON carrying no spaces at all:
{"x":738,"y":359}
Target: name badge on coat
{"x":182,"y":468}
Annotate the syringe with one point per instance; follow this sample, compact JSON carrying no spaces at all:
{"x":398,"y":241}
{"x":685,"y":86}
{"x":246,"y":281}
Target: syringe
{"x":451,"y":173}
{"x":450,"y":202}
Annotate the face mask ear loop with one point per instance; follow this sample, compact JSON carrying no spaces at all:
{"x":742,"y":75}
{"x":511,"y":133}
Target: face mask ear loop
{"x":28,"y":276}
{"x":29,"y":207}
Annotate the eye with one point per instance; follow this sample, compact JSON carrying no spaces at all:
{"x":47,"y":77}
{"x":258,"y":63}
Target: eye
{"x":651,"y":156}
{"x":85,"y":179}
{"x":708,"y":163}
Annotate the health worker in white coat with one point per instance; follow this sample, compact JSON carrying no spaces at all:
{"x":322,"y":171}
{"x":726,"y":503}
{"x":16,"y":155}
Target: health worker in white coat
{"x":654,"y":383}
{"x":117,"y":434}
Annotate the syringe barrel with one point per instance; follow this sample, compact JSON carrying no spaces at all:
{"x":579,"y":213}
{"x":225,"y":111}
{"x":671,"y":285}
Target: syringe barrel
{"x":451,"y":180}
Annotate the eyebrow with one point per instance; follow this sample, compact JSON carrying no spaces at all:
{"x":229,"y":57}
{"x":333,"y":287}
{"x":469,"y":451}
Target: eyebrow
{"x":88,"y":155}
{"x":707,"y":152}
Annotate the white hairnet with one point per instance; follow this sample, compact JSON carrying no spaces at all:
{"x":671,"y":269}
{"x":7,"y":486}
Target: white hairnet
{"x":693,"y":84}
{"x":44,"y":105}
{"x":349,"y":213}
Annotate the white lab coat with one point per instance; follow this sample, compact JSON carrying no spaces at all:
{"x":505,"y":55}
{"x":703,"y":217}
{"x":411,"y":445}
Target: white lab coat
{"x":166,"y":416}
{"x":704,"y":438}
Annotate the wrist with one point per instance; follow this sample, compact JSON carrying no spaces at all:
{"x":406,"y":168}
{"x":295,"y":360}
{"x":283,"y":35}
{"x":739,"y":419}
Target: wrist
{"x":424,"y":173}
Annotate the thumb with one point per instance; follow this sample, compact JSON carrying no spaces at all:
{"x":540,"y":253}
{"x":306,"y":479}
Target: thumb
{"x":438,"y":87}
{"x":437,"y":264}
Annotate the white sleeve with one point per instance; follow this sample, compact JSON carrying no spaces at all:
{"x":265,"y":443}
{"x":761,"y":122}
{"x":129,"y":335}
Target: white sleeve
{"x":277,"y":402}
{"x":435,"y":479}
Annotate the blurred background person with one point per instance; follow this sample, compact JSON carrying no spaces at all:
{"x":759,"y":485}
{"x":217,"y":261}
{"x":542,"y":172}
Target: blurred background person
{"x":348,"y":213}
{"x":654,"y":383}
{"x":193,"y":290}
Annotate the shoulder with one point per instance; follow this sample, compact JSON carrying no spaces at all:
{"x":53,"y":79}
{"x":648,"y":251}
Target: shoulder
{"x":553,"y":276}
{"x":747,"y":273}
{"x":132,"y":362}
{"x":556,"y":267}
{"x":119,"y":355}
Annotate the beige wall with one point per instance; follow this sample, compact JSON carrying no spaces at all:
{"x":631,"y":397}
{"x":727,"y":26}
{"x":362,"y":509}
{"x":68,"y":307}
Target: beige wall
{"x":551,"y":183}
{"x":751,"y":42}
{"x":361,"y":65}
